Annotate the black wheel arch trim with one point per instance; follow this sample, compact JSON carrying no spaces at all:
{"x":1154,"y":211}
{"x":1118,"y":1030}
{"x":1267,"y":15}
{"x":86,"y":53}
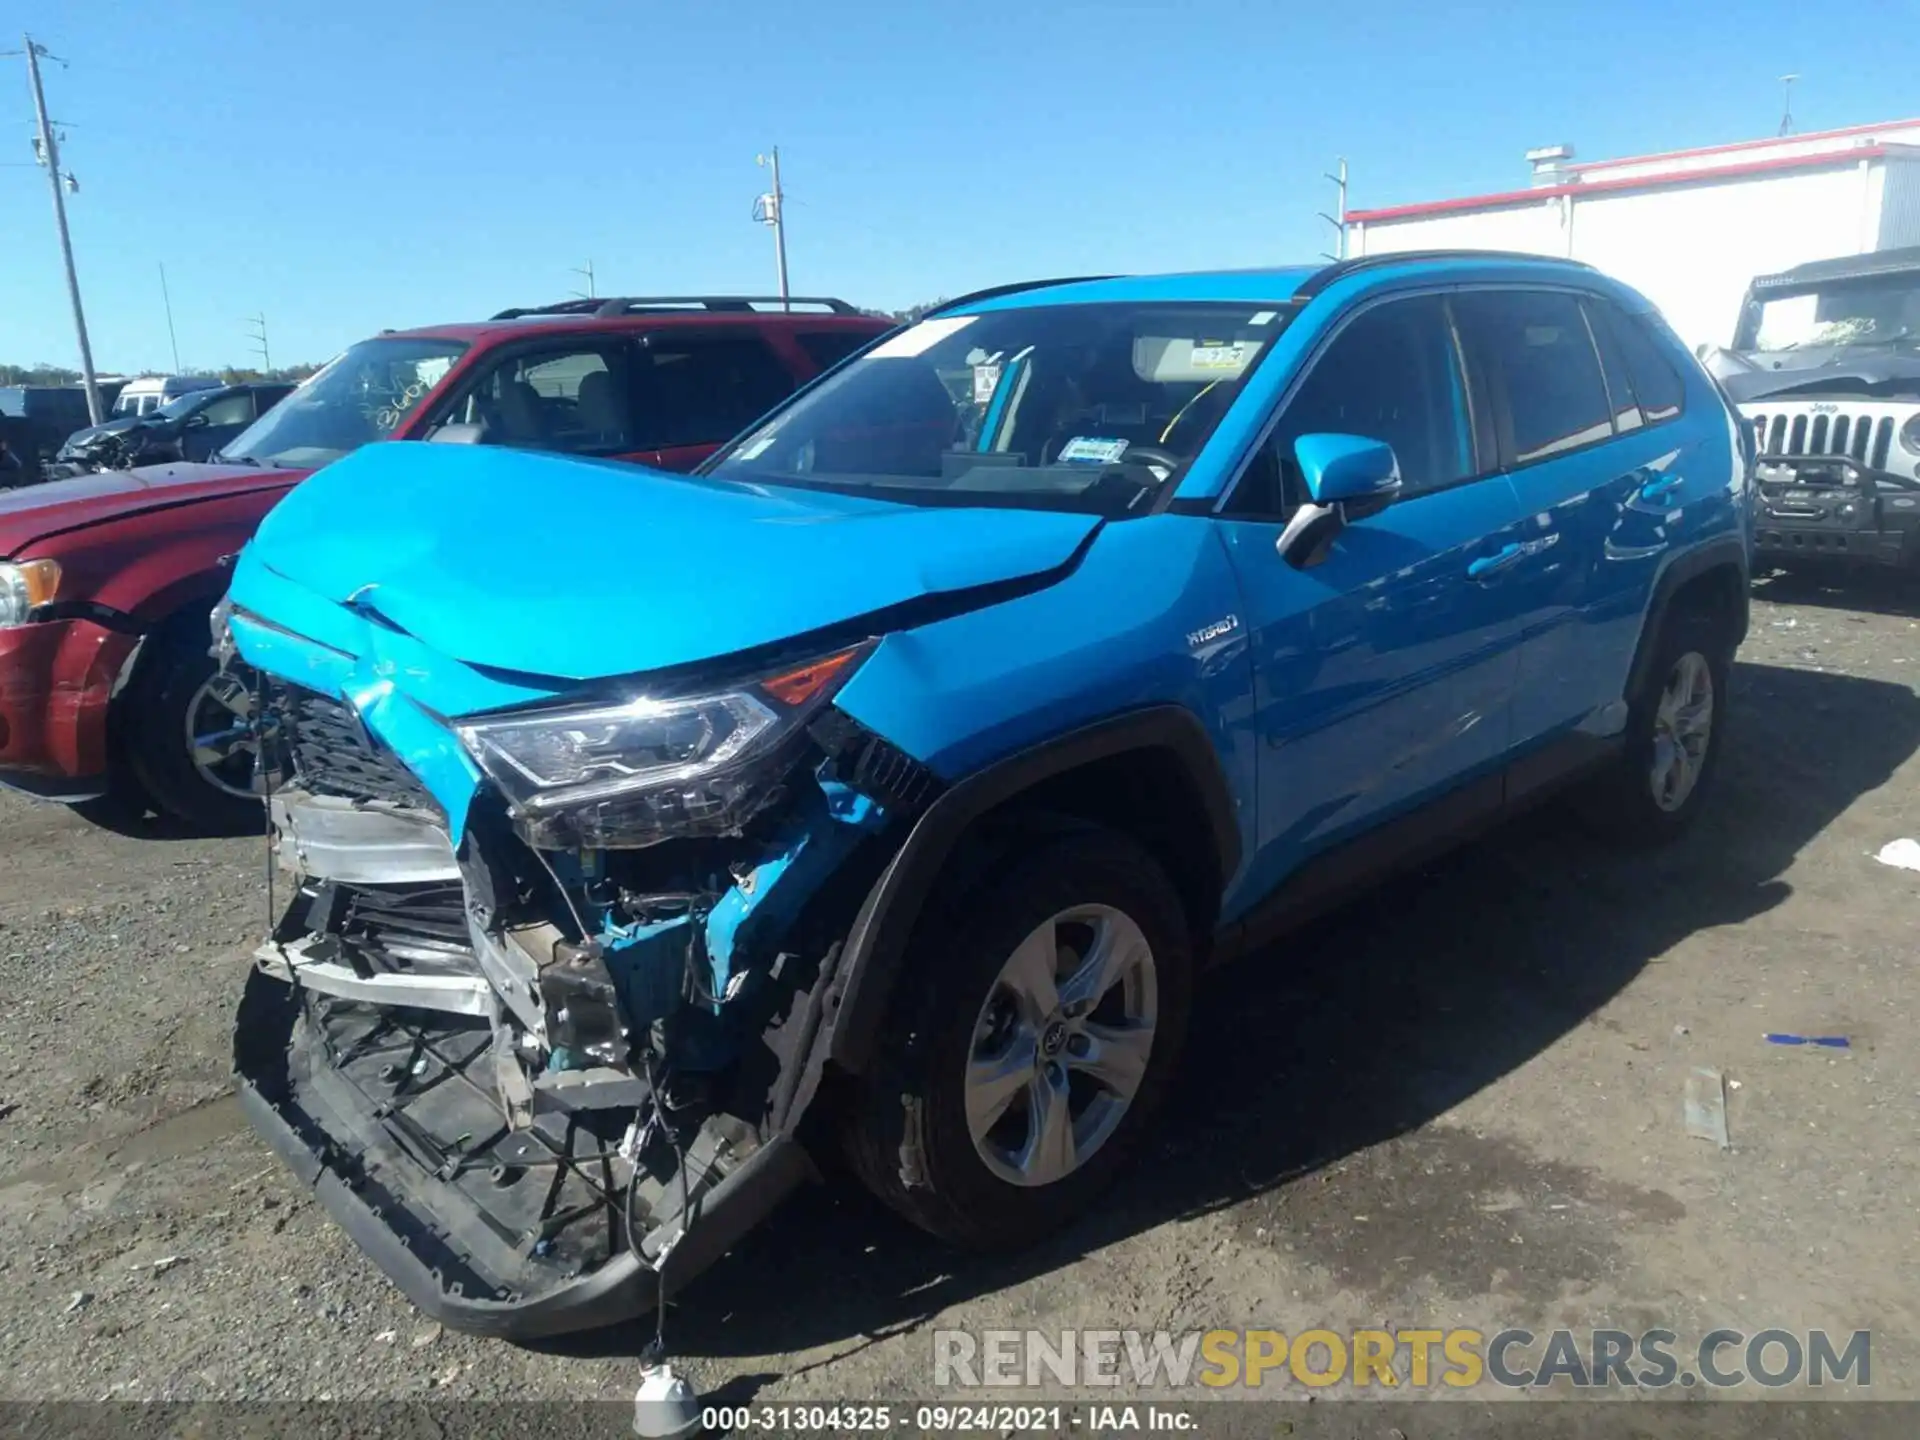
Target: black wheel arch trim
{"x":1728,"y":552}
{"x":876,"y":945}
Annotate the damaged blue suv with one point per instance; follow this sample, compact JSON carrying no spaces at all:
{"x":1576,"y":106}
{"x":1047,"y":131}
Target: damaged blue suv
{"x":887,"y":783}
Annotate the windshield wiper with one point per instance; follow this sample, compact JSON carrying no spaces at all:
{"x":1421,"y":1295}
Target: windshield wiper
{"x":220,"y":457}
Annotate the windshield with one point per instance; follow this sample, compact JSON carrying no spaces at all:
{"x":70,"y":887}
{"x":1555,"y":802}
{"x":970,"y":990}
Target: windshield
{"x":360,"y":396}
{"x":1876,"y":308}
{"x":185,"y":405}
{"x":1088,"y":407}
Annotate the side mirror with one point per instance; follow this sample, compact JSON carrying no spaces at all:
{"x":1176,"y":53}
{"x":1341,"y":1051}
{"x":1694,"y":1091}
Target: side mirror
{"x":458,"y":435}
{"x":1349,"y":478}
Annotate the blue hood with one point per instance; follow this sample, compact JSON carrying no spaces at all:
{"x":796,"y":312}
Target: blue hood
{"x":582,"y":569}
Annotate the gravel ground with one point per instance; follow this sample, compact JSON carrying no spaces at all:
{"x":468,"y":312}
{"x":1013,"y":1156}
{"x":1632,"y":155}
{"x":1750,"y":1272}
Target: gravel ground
{"x":1456,"y":1104}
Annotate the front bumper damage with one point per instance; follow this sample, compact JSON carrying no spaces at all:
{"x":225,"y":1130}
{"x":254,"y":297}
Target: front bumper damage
{"x":359,"y":1116}
{"x":542,"y":1090}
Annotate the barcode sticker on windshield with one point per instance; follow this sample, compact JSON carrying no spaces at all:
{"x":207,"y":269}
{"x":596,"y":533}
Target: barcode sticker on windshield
{"x":1219,"y":357}
{"x":757,"y":446}
{"x":1087,"y":450}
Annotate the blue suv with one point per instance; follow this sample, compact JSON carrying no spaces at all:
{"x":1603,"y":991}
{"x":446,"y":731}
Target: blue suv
{"x":888,"y":782}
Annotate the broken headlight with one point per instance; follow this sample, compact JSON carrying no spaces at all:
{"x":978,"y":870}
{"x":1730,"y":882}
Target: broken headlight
{"x":633,"y":773}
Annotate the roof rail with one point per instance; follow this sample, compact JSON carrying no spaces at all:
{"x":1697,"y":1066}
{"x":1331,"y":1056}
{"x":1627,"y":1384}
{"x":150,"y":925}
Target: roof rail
{"x":994,"y":292}
{"x":724,"y":304}
{"x":1340,"y":269}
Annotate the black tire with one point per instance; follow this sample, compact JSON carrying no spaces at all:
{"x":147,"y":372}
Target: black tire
{"x":908,"y":1134}
{"x":154,"y":737}
{"x":1620,"y":803}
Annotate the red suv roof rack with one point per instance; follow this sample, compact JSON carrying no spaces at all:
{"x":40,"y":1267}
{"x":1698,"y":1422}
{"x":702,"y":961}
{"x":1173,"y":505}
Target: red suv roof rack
{"x":636,"y":304}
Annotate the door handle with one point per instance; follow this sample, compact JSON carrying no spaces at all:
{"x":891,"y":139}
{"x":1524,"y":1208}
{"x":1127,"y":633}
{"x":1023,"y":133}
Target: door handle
{"x":1661,"y":488}
{"x":1492,"y":564}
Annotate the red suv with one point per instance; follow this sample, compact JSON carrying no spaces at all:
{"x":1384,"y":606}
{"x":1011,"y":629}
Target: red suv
{"x":108,"y":695}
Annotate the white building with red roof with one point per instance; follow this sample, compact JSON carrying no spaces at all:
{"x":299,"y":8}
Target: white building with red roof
{"x":1688,"y":228}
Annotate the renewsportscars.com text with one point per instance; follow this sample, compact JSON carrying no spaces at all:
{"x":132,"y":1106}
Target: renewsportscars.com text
{"x":1414,"y":1359}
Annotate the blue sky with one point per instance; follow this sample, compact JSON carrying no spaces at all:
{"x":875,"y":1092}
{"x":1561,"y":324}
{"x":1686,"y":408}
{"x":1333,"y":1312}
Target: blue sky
{"x":359,"y":164}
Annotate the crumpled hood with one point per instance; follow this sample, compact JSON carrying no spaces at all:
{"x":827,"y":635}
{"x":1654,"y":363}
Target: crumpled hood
{"x":580,"y":569}
{"x":1851,"y":370}
{"x":93,"y":434}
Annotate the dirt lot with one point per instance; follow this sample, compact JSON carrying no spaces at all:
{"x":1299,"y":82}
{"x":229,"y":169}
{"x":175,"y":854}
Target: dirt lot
{"x":1459,"y":1104}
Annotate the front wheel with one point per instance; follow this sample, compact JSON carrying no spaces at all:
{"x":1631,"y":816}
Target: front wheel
{"x":1031,"y":1043}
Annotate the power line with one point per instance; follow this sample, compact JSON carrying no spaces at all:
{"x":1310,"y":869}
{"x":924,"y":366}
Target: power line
{"x":47,"y":152}
{"x":167,"y":300}
{"x":1339,"y":224}
{"x":257,"y":332}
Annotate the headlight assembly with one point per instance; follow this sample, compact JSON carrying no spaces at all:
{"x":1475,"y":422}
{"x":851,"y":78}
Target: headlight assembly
{"x":26,"y":585}
{"x":1910,"y":435}
{"x":633,"y":773}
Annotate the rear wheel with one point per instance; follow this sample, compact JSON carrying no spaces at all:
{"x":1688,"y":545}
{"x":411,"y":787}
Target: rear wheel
{"x":189,"y":739}
{"x":1674,"y":736}
{"x":1030,"y":1056}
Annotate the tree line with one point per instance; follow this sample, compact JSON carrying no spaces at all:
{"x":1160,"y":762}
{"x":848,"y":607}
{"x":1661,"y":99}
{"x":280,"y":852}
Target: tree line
{"x":228,"y":375}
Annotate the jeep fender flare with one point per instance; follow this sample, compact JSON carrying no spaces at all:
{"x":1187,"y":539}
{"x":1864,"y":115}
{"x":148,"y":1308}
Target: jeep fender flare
{"x":875,"y":951}
{"x":1728,"y":552}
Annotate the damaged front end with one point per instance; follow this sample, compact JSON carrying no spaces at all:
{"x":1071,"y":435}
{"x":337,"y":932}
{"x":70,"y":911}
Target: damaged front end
{"x":542,"y":1004}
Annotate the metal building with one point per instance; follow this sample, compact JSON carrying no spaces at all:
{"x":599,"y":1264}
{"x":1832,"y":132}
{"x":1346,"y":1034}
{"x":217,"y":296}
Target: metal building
{"x":1688,"y":228}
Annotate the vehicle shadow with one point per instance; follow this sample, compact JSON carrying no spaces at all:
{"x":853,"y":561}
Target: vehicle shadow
{"x":1882,"y":592}
{"x":1360,"y":1029}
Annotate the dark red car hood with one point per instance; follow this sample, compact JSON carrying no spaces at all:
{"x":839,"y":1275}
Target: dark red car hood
{"x":34,"y":512}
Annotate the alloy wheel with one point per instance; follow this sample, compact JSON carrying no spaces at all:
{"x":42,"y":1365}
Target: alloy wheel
{"x":1682,"y":731}
{"x":1061,"y":1045}
{"x":220,"y":736}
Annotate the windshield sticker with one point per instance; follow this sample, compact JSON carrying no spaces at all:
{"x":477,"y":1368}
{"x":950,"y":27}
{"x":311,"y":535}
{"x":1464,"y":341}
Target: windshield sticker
{"x":1263,"y":317}
{"x":757,"y":446}
{"x":920,"y":338}
{"x":986,"y":379}
{"x":1089,"y":450}
{"x":1219,"y":357}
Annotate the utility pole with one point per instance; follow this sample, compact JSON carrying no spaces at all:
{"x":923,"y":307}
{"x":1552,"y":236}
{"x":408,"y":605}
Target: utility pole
{"x":167,"y":300}
{"x":1339,"y":223}
{"x":771,"y":209}
{"x":257,"y":332}
{"x":586,"y":270}
{"x":1786,"y":103}
{"x":49,"y":154}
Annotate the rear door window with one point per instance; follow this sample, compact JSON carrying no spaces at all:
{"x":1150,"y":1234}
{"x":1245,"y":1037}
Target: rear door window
{"x":693,"y":389}
{"x":1532,"y":345}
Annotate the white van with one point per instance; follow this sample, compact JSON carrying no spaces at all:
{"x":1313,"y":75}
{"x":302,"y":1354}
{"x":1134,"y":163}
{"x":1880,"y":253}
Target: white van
{"x":150,"y":392}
